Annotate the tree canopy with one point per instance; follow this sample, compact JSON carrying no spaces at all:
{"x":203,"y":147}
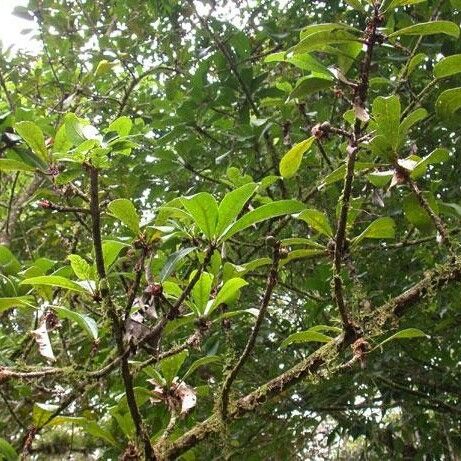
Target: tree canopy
{"x":230,"y":230}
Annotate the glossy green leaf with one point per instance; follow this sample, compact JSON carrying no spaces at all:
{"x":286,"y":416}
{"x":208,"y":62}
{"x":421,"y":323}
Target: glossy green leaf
{"x":318,"y":40}
{"x":380,"y":178}
{"x":381,"y":228}
{"x":429,"y":28}
{"x":416,"y":214}
{"x":122,"y":126}
{"x":317,"y":220}
{"x":7,"y":451}
{"x":204,"y":210}
{"x":408,"y":333}
{"x":448,"y":103}
{"x":302,"y":254}
{"x":34,"y":138}
{"x":110,"y":251}
{"x":439,"y":155}
{"x":201,"y":291}
{"x":16,"y":301}
{"x":309,"y":85}
{"x":301,"y":61}
{"x":326,"y":27}
{"x":338,"y":174}
{"x":386,"y":113}
{"x":80,"y":267}
{"x":9,"y":265}
{"x":415,"y":62}
{"x":55,"y":281}
{"x":391,"y":4}
{"x":263,"y":213}
{"x":307,"y":336}
{"x":226,"y":294}
{"x":124,"y":210}
{"x":172,"y":262}
{"x":103,"y":67}
{"x":411,"y":119}
{"x":83,"y":321}
{"x":202,"y":361}
{"x":231,"y":206}
{"x":357,"y":5}
{"x":7,"y":164}
{"x":169,"y":367}
{"x":291,"y":161}
{"x":448,"y":66}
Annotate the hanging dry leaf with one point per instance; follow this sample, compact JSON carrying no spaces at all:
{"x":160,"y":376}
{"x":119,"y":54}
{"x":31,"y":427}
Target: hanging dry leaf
{"x":186,"y":395}
{"x":135,"y":331}
{"x":179,"y":398}
{"x":361,"y":113}
{"x":43,"y":340}
{"x":377,"y":198}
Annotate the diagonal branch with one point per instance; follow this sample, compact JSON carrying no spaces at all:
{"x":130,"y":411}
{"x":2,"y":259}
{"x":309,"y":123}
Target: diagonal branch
{"x":270,"y":285}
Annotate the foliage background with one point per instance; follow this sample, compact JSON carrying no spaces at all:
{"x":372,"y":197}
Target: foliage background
{"x":211,"y":113}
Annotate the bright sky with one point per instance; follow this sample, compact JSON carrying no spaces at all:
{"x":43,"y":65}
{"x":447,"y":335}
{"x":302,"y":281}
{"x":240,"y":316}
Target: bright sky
{"x":11,"y":26}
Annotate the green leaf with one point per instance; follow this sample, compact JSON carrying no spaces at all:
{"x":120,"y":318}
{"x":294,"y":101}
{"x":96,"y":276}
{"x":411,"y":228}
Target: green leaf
{"x":429,"y":28}
{"x":124,"y":210}
{"x":122,"y":126}
{"x":448,"y":103}
{"x":338,"y":174}
{"x":172,"y":261}
{"x":201,"y":291}
{"x":380,"y":178}
{"x":204,"y":210}
{"x":416,"y":214}
{"x":415,"y":61}
{"x":391,"y":4}
{"x":448,"y":66}
{"x":300,"y":241}
{"x":83,"y":321}
{"x":170,"y":366}
{"x":386,"y":112}
{"x":103,"y":67}
{"x":325,"y":27}
{"x":79,"y":130}
{"x":356,"y":4}
{"x":33,"y":136}
{"x":232,"y":204}
{"x":7,"y":451}
{"x":41,"y":412}
{"x":408,"y":333}
{"x":438,"y":155}
{"x":306,"y":336}
{"x":55,"y":281}
{"x":16,"y":301}
{"x":381,"y":228}
{"x":412,"y":118}
{"x":291,"y":161}
{"x":318,"y":40}
{"x":302,"y":254}
{"x":200,"y":363}
{"x":110,"y":251}
{"x":317,"y":220}
{"x":80,"y":267}
{"x":7,"y":164}
{"x":9,"y":265}
{"x":262,"y":213}
{"x":227,"y":294}
{"x":301,"y":61}
{"x":308,"y":85}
